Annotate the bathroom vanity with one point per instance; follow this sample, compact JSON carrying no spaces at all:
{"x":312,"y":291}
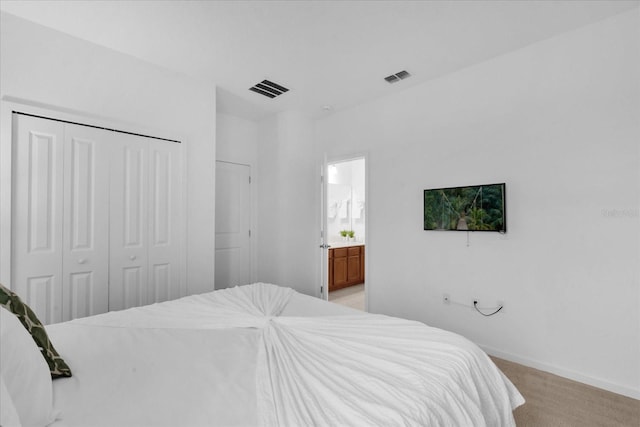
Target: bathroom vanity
{"x":346,"y":265}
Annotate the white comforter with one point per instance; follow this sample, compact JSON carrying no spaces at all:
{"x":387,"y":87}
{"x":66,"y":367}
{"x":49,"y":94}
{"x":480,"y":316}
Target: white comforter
{"x":263,"y":355}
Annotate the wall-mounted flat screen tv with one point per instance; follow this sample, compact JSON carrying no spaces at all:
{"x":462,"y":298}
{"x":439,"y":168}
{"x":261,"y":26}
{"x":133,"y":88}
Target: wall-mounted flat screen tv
{"x":472,"y":208}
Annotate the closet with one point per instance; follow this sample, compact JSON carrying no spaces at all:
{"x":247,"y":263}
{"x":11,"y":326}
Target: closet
{"x":97,"y":218}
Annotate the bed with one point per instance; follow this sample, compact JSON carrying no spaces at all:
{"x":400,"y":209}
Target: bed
{"x":264,"y":355}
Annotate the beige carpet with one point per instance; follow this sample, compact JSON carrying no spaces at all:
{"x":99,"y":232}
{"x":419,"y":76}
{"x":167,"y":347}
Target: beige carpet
{"x":553,"y":401}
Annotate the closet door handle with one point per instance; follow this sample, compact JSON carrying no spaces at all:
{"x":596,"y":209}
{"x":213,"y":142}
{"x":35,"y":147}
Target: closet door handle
{"x":82,"y":260}
{"x":132,"y":257}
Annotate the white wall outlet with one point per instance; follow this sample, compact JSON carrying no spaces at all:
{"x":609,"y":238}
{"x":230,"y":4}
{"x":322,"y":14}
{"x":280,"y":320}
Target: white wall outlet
{"x":446,"y":299}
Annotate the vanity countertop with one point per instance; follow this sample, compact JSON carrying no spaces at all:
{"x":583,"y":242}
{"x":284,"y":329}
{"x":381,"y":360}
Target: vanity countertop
{"x":345,"y":244}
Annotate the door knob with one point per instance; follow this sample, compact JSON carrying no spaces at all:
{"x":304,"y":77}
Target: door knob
{"x":132,"y":257}
{"x":325,"y":246}
{"x":82,"y":260}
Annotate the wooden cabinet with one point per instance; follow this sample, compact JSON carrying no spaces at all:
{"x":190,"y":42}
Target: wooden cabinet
{"x":339,"y":269}
{"x":346,"y":267}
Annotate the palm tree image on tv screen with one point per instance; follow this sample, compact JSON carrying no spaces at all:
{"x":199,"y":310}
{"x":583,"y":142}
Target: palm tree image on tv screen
{"x":473,"y":208}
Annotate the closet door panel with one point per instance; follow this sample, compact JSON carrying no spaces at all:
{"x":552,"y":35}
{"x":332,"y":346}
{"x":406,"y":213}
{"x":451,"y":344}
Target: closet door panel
{"x":43,"y":296}
{"x":97,"y":219}
{"x":37,"y":215}
{"x":80,"y":296}
{"x":86,"y":222}
{"x":164,"y":220}
{"x":129,"y":223}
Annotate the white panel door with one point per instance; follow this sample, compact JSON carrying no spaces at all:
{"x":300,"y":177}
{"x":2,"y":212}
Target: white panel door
{"x":97,"y":221}
{"x":165,"y":207}
{"x":37,"y":215}
{"x":128,"y":268}
{"x":233,"y":224}
{"x":145,"y":225}
{"x":86,"y":222}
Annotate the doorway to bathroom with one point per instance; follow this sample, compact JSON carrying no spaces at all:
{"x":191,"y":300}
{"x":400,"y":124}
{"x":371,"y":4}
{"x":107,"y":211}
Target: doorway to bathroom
{"x":345,"y":215}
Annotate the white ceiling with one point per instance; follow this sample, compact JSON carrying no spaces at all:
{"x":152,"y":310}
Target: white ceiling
{"x":329,"y":53}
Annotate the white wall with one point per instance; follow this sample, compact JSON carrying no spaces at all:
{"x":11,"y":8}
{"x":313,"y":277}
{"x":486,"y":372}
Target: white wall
{"x":288,"y":222}
{"x":43,"y":66}
{"x":237,"y":142}
{"x":558,"y":121}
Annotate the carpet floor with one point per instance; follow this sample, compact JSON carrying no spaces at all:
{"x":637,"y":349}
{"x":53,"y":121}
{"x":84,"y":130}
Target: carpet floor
{"x":553,"y":401}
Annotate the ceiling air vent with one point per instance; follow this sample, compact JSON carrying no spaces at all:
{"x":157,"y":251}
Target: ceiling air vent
{"x":269,"y":89}
{"x":397,"y":76}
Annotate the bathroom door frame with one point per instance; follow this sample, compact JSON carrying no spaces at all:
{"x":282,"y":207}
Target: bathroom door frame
{"x":324,"y":248}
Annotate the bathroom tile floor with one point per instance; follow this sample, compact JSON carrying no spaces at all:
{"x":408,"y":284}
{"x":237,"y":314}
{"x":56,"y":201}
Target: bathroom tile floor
{"x":353,"y":297}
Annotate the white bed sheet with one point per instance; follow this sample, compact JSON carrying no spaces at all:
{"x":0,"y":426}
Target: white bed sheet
{"x":264,"y":355}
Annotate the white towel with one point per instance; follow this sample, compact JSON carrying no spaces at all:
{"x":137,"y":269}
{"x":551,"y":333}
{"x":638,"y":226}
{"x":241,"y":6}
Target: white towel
{"x":332,"y":210}
{"x":356,"y":212}
{"x":343,"y":210}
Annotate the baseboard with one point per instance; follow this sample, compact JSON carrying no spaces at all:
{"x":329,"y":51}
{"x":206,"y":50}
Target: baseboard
{"x":566,"y":373}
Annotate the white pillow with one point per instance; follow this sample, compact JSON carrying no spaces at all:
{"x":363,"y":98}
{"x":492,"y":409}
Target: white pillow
{"x":8,"y":411}
{"x":25,"y":373}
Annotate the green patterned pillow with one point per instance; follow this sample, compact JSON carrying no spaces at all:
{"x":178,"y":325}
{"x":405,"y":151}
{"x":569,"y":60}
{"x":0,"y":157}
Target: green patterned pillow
{"x":27,"y":317}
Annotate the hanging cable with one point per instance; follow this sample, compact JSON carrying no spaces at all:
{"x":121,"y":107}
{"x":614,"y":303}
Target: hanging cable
{"x":475,"y":305}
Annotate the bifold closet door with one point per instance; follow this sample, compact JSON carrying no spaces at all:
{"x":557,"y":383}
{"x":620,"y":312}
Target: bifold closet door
{"x":85,"y":265}
{"x":165,"y":207}
{"x":96,"y":219}
{"x":60,"y":218}
{"x":129,"y":225}
{"x":37,"y":215}
{"x":145,"y":222}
